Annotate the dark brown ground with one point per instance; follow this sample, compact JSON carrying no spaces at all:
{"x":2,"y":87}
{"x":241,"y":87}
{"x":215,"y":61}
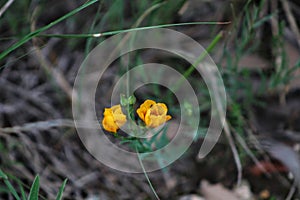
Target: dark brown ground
{"x":35,"y":86}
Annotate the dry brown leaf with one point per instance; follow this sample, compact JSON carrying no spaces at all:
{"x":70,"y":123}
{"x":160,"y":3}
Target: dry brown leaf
{"x":191,"y":197}
{"x":216,"y":192}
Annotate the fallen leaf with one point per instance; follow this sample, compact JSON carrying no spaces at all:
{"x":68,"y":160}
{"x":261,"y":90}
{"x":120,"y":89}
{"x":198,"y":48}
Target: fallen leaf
{"x":216,"y":192}
{"x":285,"y":154}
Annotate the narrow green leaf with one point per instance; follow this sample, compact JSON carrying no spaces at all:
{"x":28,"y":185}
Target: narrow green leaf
{"x":2,"y":175}
{"x":189,"y":71}
{"x":9,"y":185}
{"x":34,"y":191}
{"x":154,"y":137}
{"x":22,"y":191}
{"x":123,"y":100}
{"x":131,"y":99}
{"x":163,"y":140}
{"x":126,"y":141}
{"x":61,"y":190}
{"x":263,"y":20}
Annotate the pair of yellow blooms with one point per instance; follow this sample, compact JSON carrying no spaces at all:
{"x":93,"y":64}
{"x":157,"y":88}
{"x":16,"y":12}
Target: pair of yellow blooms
{"x":152,"y":113}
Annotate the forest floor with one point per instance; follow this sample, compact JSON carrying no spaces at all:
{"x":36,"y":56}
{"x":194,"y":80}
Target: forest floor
{"x":255,"y":46}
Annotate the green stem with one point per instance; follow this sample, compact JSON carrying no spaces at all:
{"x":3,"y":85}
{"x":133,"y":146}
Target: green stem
{"x":146,"y":175}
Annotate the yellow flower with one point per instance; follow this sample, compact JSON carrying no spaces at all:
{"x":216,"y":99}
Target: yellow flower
{"x":153,"y":114}
{"x":113,"y":118}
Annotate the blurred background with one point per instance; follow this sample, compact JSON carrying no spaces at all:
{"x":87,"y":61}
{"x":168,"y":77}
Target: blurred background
{"x":255,"y":45}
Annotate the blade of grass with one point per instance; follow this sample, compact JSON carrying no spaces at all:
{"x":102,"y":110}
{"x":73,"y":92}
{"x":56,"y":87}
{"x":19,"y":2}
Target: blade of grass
{"x":20,"y":57}
{"x":61,"y":190}
{"x":22,"y":191}
{"x":263,"y":20}
{"x":34,"y":191}
{"x":136,"y":24}
{"x":89,"y":40}
{"x":38,"y":31}
{"x":189,"y":71}
{"x":87,"y":35}
{"x":9,"y":185}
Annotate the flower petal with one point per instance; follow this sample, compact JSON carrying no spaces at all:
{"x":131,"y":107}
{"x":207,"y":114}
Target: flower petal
{"x":109,"y":124}
{"x":113,"y":118}
{"x":153,"y":114}
{"x":142,"y":110}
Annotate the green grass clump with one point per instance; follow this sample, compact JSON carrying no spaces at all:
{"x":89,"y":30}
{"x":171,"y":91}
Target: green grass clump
{"x":34,"y":189}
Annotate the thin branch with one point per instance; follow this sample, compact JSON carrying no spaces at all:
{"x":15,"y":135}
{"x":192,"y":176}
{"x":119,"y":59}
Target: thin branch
{"x":48,"y":67}
{"x":291,"y":19}
{"x":234,"y":152}
{"x":42,"y":125}
{"x":292,"y":191}
{"x":252,"y":156}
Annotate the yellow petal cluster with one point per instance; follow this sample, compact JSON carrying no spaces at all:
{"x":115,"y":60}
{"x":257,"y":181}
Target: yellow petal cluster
{"x":113,"y":118}
{"x":153,"y":114}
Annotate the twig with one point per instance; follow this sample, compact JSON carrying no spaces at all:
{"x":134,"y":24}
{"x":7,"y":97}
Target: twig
{"x":292,"y":191}
{"x":45,"y":125}
{"x":27,"y":95}
{"x":42,"y":125}
{"x":234,"y":152}
{"x":252,"y":156}
{"x":291,"y":20}
{"x":5,"y":7}
{"x":277,"y":52}
{"x":88,"y":178}
{"x":217,"y":100}
{"x":55,"y":73}
{"x":274,"y":19}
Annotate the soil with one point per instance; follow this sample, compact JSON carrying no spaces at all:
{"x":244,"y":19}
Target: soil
{"x":37,"y":129}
